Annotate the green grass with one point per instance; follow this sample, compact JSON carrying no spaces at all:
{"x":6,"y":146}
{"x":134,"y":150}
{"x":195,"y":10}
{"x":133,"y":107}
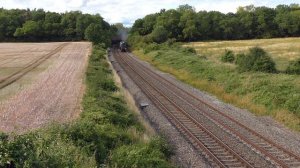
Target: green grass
{"x":98,"y":138}
{"x":276,"y":95}
{"x":282,"y":50}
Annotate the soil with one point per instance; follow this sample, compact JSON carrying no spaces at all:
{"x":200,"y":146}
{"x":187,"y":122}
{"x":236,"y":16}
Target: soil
{"x":51,"y":92}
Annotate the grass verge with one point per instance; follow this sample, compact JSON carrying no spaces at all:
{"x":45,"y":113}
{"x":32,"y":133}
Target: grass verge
{"x":106,"y":133}
{"x":276,"y":95}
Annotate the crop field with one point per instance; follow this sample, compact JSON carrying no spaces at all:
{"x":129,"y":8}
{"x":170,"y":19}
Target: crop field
{"x":40,"y":83}
{"x":282,"y":50}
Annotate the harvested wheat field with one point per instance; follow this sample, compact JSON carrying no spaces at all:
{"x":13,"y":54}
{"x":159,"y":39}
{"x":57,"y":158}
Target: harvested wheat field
{"x":40,"y":83}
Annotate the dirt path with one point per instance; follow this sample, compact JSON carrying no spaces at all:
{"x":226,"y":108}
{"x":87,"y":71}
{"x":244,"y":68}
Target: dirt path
{"x":53,"y":96}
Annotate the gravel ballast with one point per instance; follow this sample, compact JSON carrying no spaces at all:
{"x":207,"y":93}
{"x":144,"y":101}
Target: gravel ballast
{"x":185,"y":154}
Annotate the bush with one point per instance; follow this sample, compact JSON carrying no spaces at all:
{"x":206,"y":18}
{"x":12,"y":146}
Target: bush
{"x":152,"y":155}
{"x":171,"y":41}
{"x":228,"y":56}
{"x":150,"y":47}
{"x":189,"y":50}
{"x":256,"y":60}
{"x":294,"y":67}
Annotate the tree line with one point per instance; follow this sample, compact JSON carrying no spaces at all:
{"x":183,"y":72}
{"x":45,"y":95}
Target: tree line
{"x":185,"y":24}
{"x":39,"y":25}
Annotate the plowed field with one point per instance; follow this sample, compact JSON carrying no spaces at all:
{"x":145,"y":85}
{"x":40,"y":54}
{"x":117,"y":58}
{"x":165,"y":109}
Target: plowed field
{"x":40,"y":83}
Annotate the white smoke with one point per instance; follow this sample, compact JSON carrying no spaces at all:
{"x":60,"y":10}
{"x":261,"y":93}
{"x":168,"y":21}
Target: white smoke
{"x":123,"y":34}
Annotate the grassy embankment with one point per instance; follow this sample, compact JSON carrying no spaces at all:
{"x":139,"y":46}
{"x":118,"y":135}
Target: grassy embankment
{"x":106,"y":134}
{"x":282,"y":50}
{"x":276,"y":95}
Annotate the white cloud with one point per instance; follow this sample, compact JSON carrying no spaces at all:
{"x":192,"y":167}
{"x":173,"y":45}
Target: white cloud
{"x":127,"y":11}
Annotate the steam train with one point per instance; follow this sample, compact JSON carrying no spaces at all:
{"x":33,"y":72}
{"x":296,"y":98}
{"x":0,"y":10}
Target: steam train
{"x":118,"y":42}
{"x":123,"y":46}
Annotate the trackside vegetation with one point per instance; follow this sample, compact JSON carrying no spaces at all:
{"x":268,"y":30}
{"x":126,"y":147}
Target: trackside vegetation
{"x":294,"y":67}
{"x":262,"y":92}
{"x":228,"y":56}
{"x":256,"y":60}
{"x":248,"y":79}
{"x":107,"y":134}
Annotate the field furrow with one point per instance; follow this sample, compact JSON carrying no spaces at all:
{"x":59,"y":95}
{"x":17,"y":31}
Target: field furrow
{"x":52,"y":96}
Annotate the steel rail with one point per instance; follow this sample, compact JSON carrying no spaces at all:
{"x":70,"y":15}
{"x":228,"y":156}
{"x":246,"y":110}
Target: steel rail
{"x":265,"y":152}
{"x":199,"y":125}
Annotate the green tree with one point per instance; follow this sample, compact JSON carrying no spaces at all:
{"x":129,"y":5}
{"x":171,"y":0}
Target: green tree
{"x":138,"y":27}
{"x":149,"y":23}
{"x":96,"y":34}
{"x":231,"y":27}
{"x":266,"y":27}
{"x":188,"y":23}
{"x":68,"y":22}
{"x":52,"y":27}
{"x":3,"y":25}
{"x":170,"y":20}
{"x":248,"y":21}
{"x":30,"y":30}
{"x":159,"y":34}
{"x":186,"y":8}
{"x":38,"y":15}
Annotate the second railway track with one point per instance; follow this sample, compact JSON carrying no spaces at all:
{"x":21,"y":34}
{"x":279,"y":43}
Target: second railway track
{"x":185,"y":111}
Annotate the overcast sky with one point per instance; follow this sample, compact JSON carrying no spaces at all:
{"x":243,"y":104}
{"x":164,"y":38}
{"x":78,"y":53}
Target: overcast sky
{"x":127,"y":11}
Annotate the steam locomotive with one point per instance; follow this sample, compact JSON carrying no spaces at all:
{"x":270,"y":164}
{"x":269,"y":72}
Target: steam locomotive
{"x":123,"y":46}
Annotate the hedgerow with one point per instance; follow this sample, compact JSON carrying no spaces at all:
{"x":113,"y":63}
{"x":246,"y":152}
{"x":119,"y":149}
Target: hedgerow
{"x":102,"y":129}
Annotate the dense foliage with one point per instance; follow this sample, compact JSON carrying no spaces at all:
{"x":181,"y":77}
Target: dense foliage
{"x":105,"y":126}
{"x":38,"y":25}
{"x":294,"y":67}
{"x":152,"y":155}
{"x":185,"y":24}
{"x":228,"y":56}
{"x":256,"y":60}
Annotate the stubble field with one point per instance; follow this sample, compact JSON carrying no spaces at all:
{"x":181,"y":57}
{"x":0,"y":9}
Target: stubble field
{"x":40,"y":83}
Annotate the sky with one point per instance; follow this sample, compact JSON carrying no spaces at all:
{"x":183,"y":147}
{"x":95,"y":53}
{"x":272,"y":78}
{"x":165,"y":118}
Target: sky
{"x":127,"y":11}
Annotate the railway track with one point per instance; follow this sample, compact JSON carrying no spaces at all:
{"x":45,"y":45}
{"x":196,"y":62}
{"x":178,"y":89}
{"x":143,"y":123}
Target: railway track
{"x":272,"y":153}
{"x":27,"y":68}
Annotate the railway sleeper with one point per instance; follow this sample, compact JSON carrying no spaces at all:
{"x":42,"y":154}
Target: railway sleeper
{"x":237,"y":165}
{"x":294,"y":164}
{"x":283,"y":157}
{"x":213,"y":144}
{"x":199,"y":135}
{"x":225,"y":153}
{"x":217,"y":149}
{"x":231,"y":161}
{"x":195,"y":130}
{"x":187,"y":122}
{"x":274,"y":152}
{"x":226,"y":157}
{"x":208,"y":142}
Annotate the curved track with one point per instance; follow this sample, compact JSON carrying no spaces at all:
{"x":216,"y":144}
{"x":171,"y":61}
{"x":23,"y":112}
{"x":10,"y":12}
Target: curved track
{"x":27,"y":68}
{"x":186,"y":111}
